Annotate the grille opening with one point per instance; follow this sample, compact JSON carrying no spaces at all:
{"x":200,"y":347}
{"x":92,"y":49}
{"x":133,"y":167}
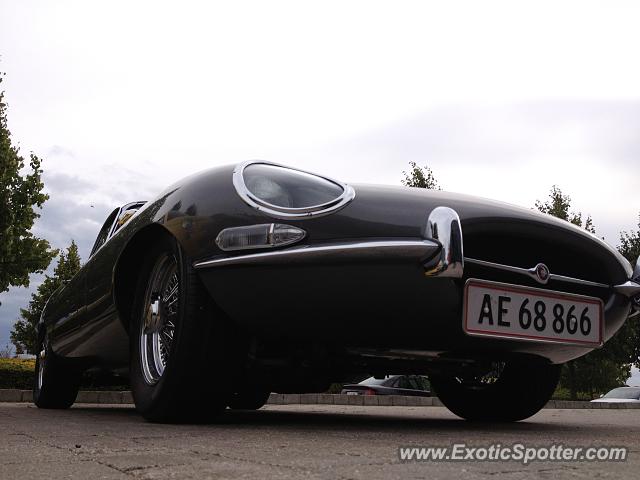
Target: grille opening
{"x":525,"y":245}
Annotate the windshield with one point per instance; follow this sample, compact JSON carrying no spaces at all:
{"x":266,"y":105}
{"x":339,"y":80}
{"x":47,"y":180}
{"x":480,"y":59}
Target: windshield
{"x":624,"y":392}
{"x":374,"y":381}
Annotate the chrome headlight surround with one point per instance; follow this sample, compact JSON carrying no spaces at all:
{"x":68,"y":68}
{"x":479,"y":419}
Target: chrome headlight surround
{"x":348,"y":194}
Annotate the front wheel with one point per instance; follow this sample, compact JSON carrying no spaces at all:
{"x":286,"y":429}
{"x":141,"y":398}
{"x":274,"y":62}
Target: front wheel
{"x":505,"y":392}
{"x":182,"y":346}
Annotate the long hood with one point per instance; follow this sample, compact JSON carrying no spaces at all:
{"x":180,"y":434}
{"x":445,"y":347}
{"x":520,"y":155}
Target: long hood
{"x":492,"y":230}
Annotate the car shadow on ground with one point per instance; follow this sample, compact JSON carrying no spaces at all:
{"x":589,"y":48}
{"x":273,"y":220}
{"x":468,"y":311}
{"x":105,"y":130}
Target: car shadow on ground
{"x":414,"y":420}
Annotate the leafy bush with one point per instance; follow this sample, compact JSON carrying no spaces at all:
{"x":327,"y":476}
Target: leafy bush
{"x":17,"y":373}
{"x":563,"y":393}
{"x":20,"y":374}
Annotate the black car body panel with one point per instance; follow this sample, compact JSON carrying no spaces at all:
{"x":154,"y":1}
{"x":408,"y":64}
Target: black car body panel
{"x":383,"y":306}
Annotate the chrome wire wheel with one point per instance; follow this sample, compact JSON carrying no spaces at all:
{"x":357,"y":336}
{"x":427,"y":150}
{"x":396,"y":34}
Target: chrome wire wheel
{"x":489,"y":376}
{"x":42,"y":358}
{"x":161,"y":303}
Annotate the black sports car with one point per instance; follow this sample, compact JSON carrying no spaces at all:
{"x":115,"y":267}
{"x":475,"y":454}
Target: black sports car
{"x":268,"y":278}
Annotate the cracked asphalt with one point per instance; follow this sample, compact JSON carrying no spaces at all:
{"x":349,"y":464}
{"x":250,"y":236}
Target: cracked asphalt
{"x":296,"y":441}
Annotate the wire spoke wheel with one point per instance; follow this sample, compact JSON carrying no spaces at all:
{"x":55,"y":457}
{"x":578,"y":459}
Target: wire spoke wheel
{"x":42,"y":358}
{"x":479,"y":380}
{"x":504,"y":391}
{"x":177,"y":334}
{"x":161,"y":303}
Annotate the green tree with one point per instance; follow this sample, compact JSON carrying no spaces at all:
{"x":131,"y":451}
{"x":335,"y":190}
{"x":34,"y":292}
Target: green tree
{"x":21,"y":253}
{"x":421,"y":177}
{"x":559,"y":205}
{"x":23,"y":335}
{"x":606,"y":367}
{"x":630,"y":245}
{"x":630,"y":248}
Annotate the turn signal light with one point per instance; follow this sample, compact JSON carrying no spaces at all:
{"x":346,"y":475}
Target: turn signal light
{"x":266,"y":235}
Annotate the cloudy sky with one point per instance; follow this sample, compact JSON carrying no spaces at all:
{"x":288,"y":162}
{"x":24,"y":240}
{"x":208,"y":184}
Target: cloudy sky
{"x":500,"y":99}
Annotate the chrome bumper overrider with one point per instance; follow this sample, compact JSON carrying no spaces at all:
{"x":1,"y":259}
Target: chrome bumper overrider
{"x":443,"y":226}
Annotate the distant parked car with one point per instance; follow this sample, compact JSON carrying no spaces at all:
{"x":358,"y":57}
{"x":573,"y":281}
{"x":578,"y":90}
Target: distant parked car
{"x":620,"y":395}
{"x":414,"y":385}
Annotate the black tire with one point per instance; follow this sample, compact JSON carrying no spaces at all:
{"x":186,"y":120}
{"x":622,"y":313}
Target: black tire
{"x":200,"y":360}
{"x":56,"y":383}
{"x":520,"y":390}
{"x":249,"y":399}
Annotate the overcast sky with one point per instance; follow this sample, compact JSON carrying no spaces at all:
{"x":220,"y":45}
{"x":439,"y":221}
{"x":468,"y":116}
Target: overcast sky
{"x":500,"y":99}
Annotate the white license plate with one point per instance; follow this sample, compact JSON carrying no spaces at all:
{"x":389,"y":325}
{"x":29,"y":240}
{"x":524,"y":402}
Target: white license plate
{"x":509,"y":311}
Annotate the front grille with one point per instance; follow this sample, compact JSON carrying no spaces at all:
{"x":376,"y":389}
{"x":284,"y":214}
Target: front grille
{"x":472,"y":270}
{"x":524,"y":245}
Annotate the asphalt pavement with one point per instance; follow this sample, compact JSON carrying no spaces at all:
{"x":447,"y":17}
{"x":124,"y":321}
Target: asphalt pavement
{"x":298,"y":441}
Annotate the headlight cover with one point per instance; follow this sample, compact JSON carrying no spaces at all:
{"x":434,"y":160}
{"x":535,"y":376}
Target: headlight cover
{"x":285,"y":192}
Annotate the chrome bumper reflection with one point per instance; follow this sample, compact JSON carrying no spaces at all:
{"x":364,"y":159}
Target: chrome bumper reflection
{"x":443,"y":226}
{"x":418,"y":250}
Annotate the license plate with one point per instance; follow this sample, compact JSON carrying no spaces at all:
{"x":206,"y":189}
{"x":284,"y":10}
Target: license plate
{"x":493,"y":309}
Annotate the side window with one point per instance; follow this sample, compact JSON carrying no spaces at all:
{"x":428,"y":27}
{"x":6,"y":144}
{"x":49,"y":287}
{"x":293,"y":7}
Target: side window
{"x":103,"y":235}
{"x":126,"y":213}
{"x":405,"y":382}
{"x":423,"y":382}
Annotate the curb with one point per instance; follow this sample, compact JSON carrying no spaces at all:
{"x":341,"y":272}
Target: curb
{"x":125,"y":398}
{"x":103,"y":397}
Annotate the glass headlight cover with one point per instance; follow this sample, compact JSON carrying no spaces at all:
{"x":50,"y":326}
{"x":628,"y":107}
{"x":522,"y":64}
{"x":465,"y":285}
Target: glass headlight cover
{"x":266,"y":235}
{"x":285,"y":192}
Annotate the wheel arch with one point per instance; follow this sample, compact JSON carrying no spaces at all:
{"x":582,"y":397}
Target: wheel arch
{"x":127,"y":269}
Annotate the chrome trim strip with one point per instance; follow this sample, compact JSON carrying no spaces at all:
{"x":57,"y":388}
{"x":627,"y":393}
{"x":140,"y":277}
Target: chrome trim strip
{"x":348,"y":194}
{"x":531,"y":273}
{"x":417,"y":250}
{"x":628,"y":289}
{"x":443,"y":226}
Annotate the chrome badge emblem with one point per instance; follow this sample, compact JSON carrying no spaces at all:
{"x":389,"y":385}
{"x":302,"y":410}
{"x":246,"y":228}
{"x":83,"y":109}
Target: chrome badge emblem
{"x":542,"y":273}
